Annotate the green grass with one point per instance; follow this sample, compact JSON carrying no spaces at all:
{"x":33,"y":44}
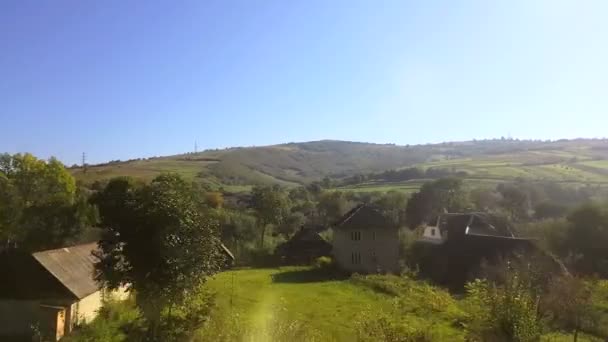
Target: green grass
{"x":330,"y":310}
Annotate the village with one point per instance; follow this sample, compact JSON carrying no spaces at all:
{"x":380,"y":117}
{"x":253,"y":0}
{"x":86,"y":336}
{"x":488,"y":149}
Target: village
{"x":55,"y":291}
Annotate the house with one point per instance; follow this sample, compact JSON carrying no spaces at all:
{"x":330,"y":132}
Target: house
{"x":366,"y":241}
{"x":303,"y":248}
{"x":458,"y":226}
{"x":50,"y":291}
{"x":451,"y":251}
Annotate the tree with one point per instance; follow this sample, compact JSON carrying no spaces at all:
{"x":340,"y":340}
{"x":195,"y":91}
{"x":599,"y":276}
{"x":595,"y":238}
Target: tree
{"x":271,"y":206}
{"x":332,"y":206}
{"x":514,"y":200}
{"x":393,"y":204}
{"x":40,"y":204}
{"x":292,"y":222}
{"x":569,"y":303}
{"x":156,"y":242}
{"x":546,"y":210}
{"x":434,"y":198}
{"x":587,"y":238}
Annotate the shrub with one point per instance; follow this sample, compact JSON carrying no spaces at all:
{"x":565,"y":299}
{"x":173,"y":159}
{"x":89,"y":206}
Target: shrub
{"x":323,"y":263}
{"x":503,"y":313}
{"x":375,"y":326}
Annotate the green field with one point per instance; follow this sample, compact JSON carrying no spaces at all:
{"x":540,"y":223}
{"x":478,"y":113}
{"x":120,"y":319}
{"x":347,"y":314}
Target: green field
{"x":295,"y":301}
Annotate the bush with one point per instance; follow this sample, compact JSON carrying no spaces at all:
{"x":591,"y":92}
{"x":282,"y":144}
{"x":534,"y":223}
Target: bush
{"x":505,"y":313}
{"x":324,"y":263}
{"x":374,"y":326}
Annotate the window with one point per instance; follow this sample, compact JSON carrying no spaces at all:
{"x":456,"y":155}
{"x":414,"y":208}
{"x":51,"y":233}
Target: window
{"x":355,"y":258}
{"x":433,"y":232}
{"x":355,"y":236}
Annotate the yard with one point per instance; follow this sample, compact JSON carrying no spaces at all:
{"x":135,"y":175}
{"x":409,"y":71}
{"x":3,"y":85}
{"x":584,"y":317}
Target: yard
{"x":296,"y":303}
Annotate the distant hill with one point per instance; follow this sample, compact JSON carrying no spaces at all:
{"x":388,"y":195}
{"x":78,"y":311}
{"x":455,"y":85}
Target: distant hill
{"x":569,"y":161}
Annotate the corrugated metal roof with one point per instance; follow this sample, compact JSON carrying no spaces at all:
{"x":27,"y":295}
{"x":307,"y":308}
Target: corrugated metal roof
{"x":72,"y":266}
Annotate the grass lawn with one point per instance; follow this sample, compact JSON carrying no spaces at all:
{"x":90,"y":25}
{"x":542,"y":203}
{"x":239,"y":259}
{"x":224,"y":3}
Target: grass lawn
{"x":331,"y":309}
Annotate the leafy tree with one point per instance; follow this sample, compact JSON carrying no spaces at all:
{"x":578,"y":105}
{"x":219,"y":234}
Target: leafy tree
{"x":545,"y":210}
{"x":587,"y":238}
{"x":236,"y":228}
{"x":393,"y":204}
{"x":156,"y":242}
{"x":569,"y":303}
{"x":292,"y":222}
{"x":40,"y":204}
{"x":433,"y":198}
{"x":514,"y":200}
{"x":271,"y":206}
{"x":332,"y":206}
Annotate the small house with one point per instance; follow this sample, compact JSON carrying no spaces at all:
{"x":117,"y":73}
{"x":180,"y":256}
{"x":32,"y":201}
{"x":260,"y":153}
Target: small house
{"x":366,"y":241}
{"x":50,"y":291}
{"x":303,"y":248}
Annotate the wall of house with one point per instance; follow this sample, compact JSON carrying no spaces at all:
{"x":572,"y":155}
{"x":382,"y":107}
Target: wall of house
{"x":18,"y":316}
{"x":373,"y":249}
{"x":86,"y":309}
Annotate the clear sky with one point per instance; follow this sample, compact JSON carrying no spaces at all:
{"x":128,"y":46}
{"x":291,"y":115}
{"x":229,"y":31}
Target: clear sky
{"x":124,"y":79}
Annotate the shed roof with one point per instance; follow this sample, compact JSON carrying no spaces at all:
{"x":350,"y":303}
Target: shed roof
{"x":72,"y":266}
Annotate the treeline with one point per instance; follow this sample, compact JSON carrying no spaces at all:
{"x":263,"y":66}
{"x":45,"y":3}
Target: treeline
{"x":401,"y":175}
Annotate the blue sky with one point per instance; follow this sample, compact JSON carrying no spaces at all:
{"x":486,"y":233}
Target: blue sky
{"x":125,"y":79}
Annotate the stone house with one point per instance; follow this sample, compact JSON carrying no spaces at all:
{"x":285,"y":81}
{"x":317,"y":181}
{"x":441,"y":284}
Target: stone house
{"x":49,"y":291}
{"x":366,"y":241}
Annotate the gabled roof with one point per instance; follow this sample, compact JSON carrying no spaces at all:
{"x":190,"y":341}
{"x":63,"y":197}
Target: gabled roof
{"x":366,"y":215}
{"x":73,"y":267}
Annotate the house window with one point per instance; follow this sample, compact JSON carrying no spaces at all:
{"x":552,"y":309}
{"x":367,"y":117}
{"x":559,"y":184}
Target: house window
{"x":355,"y":236}
{"x":355,"y":258}
{"x":433,"y":232}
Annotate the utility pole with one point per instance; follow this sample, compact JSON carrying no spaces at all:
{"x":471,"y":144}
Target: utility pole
{"x":84,"y":162}
{"x":195,"y":147}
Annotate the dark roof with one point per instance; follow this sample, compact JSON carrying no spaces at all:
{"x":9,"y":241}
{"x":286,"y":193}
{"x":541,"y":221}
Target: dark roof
{"x":475,"y":224}
{"x":364,"y":215}
{"x":306,"y":235}
{"x":72,"y":266}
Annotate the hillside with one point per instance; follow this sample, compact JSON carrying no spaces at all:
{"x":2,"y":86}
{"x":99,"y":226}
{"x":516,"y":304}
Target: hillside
{"x":582,"y":161}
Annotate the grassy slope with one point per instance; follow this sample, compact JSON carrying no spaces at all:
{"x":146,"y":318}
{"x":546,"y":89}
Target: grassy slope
{"x":572,"y":162}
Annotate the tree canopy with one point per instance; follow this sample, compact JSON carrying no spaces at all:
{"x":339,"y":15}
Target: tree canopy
{"x":156,"y":241}
{"x":40,"y":204}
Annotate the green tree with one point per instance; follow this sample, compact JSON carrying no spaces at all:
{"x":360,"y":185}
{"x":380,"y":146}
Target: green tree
{"x":514,"y":200}
{"x":40,"y":204}
{"x":446,"y":194}
{"x":332,"y":206}
{"x":292,"y":222}
{"x":271,"y":206}
{"x":393,"y":204}
{"x":156,"y":242}
{"x":587,"y":238}
{"x":569,"y":303}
